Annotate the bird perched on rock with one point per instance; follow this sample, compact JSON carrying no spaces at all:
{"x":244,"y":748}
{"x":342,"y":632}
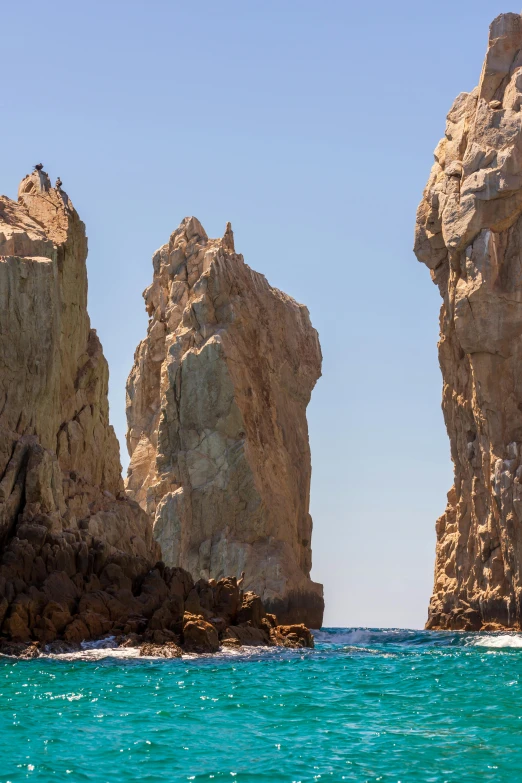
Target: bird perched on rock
{"x":38,"y":167}
{"x":58,"y":184}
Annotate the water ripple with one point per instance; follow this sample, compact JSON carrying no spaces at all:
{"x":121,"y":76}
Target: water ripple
{"x":366,"y":705}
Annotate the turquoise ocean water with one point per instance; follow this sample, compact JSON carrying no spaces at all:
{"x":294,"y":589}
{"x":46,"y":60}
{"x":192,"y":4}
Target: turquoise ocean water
{"x":365,"y":705}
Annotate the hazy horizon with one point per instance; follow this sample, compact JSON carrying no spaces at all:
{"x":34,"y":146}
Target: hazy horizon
{"x":311,"y":128}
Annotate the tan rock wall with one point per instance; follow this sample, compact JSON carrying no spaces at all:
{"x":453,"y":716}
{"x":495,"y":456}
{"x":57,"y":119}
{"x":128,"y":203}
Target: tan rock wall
{"x":469,"y":233}
{"x":55,"y":379}
{"x":217,"y":433}
{"x":66,"y":527}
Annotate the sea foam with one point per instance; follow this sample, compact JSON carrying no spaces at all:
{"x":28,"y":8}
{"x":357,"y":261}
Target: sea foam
{"x":498,"y":641}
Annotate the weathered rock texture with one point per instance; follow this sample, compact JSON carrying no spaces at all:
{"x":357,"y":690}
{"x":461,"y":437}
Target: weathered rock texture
{"x":469,"y":233}
{"x":77,"y":557}
{"x":66,"y":527}
{"x":217,"y":432}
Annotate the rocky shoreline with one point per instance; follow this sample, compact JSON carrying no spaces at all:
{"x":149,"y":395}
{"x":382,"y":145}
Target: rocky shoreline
{"x":170,"y":615}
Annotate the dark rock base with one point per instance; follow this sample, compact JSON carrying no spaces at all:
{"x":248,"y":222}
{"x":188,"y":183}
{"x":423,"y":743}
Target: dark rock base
{"x":298,"y":607}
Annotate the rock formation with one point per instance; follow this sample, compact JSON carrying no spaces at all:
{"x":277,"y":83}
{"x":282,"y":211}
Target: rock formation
{"x":217,"y":432}
{"x":469,"y":234}
{"x":65,"y":522}
{"x":77,"y":557}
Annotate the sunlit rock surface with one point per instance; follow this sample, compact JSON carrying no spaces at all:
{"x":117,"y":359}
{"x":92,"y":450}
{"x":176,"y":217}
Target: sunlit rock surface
{"x":469,"y":234}
{"x":66,"y":527}
{"x":217,"y":431}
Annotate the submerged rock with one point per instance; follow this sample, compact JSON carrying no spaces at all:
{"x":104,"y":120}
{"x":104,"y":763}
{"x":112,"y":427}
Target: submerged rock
{"x":20,"y":649}
{"x":469,"y":234}
{"x":167,"y":650}
{"x":217,"y":432}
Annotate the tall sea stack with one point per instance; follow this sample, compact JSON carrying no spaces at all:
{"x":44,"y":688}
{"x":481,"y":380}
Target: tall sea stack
{"x":469,"y":234}
{"x":217,"y":431}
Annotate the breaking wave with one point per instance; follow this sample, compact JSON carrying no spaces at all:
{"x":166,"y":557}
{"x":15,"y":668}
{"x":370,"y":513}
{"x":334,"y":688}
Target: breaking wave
{"x":498,"y":641}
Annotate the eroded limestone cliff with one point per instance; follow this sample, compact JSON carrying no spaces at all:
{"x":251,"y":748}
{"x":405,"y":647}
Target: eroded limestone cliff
{"x":469,"y":234}
{"x":217,"y":432}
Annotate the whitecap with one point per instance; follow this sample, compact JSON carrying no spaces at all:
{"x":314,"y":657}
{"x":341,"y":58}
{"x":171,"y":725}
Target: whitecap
{"x":107,"y":643}
{"x":107,"y":648}
{"x":352,"y":636}
{"x":498,"y":641}
{"x":95,"y":654}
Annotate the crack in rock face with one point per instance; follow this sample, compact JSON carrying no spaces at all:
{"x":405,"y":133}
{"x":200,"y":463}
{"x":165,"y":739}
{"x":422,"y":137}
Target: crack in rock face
{"x":217,"y":431}
{"x":469,"y":234}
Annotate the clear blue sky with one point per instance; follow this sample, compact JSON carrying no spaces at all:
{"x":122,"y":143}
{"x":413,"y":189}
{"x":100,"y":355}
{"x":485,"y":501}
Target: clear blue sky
{"x":311,"y":126}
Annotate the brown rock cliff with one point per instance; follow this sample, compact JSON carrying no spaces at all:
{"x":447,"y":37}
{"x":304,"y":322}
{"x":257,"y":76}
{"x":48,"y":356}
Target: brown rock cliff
{"x":469,"y":234}
{"x":66,"y":527}
{"x":217,"y":432}
{"x":77,"y":557}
